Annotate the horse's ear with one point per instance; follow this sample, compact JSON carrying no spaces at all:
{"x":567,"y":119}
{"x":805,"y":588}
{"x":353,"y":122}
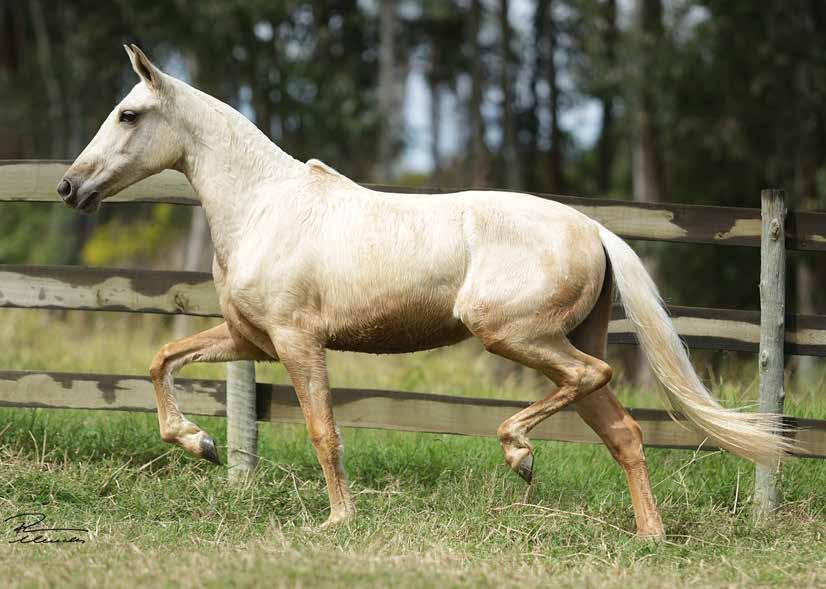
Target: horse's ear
{"x":151,"y":75}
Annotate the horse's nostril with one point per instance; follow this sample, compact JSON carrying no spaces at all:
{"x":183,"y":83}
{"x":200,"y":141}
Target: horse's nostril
{"x":64,"y":189}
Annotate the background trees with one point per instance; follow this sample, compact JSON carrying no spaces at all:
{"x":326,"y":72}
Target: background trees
{"x":702,"y":101}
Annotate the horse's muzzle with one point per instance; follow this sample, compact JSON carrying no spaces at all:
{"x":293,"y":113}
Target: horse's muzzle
{"x":78,"y":196}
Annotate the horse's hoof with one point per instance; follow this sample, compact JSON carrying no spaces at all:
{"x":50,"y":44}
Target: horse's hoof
{"x":520,"y":460}
{"x":652,"y":532}
{"x":208,"y":450}
{"x":335,"y":521}
{"x":525,"y":469}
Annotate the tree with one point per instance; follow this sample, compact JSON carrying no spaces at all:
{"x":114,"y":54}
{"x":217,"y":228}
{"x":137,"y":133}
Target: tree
{"x":387,"y":89}
{"x":478,"y":161}
{"x":510,"y":157}
{"x":647,"y":165}
{"x":558,"y":183}
{"x":532,"y":124}
{"x":607,"y":94}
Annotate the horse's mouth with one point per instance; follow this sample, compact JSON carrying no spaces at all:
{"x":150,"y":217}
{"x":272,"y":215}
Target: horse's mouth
{"x":90,"y":204}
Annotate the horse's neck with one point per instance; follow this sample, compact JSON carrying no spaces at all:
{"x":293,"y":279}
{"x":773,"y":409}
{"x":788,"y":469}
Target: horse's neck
{"x":229,"y":162}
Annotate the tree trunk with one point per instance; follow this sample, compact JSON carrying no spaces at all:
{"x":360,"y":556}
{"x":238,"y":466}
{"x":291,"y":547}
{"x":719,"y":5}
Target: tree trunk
{"x":558,"y":184}
{"x":12,"y":50}
{"x":509,"y":147}
{"x":478,"y":152}
{"x":50,"y":81}
{"x":540,"y":41}
{"x":606,"y":137}
{"x":806,"y":198}
{"x":386,"y":92}
{"x":805,"y":284}
{"x":647,"y":164}
{"x":260,"y":84}
{"x":433,"y":84}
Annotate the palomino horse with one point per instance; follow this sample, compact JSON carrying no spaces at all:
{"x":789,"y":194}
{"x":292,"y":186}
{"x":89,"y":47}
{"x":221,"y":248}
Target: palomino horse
{"x":306,"y":259}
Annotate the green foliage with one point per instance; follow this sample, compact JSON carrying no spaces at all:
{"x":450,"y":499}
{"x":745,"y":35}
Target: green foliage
{"x":23,"y":227}
{"x":118,"y":241}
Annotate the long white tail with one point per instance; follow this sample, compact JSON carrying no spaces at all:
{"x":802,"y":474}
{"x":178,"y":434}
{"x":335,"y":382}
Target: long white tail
{"x":755,"y":436}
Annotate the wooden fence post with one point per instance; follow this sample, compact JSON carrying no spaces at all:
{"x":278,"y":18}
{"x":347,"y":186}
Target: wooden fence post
{"x":772,"y":334}
{"x":242,"y":425}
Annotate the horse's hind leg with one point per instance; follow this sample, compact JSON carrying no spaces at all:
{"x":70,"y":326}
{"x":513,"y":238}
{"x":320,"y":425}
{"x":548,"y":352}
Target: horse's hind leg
{"x":576,"y":373}
{"x":219,"y":344}
{"x":622,"y":435}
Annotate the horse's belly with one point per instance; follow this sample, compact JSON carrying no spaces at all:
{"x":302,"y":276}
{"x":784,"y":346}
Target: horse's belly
{"x":398,"y":334}
{"x":404,"y":317}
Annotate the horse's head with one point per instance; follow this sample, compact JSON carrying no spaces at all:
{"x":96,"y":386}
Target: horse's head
{"x":140,"y":137}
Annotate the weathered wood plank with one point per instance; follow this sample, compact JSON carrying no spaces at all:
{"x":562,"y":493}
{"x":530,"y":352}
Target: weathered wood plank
{"x":108,"y":289}
{"x":729,"y":329}
{"x":396,"y":410}
{"x":35,"y":181}
{"x":192,"y":293}
{"x":105,"y":391}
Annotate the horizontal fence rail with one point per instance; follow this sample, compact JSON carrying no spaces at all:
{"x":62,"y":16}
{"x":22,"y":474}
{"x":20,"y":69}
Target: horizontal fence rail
{"x":193,"y":293}
{"x":35,"y":181}
{"x":367,"y":408}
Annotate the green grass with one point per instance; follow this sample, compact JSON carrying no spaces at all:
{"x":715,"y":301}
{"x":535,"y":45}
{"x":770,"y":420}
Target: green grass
{"x":433,"y":510}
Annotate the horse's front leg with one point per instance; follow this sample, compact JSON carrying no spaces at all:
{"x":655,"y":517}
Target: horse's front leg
{"x":219,"y":344}
{"x":305,"y":360}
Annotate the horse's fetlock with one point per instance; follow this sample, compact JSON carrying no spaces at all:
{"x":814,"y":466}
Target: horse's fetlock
{"x":503,"y":432}
{"x":509,"y":435}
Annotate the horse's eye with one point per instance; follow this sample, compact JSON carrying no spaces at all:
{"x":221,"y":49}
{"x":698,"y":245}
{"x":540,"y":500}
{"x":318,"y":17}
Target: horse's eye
{"x":128,"y":116}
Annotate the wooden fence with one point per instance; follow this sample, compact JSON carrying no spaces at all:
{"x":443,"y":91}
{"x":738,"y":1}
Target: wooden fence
{"x":192,"y":293}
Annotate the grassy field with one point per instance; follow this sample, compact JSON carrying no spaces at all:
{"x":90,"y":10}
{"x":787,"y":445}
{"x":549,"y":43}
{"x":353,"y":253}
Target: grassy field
{"x":434,"y":510}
